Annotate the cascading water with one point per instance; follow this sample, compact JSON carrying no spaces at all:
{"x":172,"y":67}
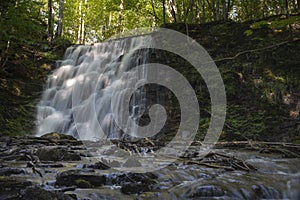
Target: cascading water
{"x":78,"y":94}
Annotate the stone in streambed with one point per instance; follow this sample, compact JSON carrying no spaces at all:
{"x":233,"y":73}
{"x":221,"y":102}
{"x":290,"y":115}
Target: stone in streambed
{"x":100,"y":165}
{"x":58,"y":136}
{"x":57,"y":154}
{"x":135,"y":188}
{"x":208,"y":191}
{"x":7,"y":171}
{"x":11,"y":187}
{"x":38,"y":193}
{"x":134,"y":183}
{"x":79,"y":179}
{"x":132,"y":162}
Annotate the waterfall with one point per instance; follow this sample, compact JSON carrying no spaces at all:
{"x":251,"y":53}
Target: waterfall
{"x":78,"y":94}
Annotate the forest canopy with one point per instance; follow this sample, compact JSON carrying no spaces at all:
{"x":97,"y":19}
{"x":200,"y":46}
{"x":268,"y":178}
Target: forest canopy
{"x":90,"y":21}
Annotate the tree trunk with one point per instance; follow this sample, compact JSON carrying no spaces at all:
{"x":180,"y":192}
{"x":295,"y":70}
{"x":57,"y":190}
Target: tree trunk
{"x":197,"y":12}
{"x":50,"y":19}
{"x":228,"y":8}
{"x":120,"y":16}
{"x":298,"y":5}
{"x":60,"y":18}
{"x":172,"y":10}
{"x":188,"y":10}
{"x":287,"y":9}
{"x":224,"y":10}
{"x":203,"y":18}
{"x":80,"y":23}
{"x":83,"y":23}
{"x":81,"y":30}
{"x":213,"y":8}
{"x":164,"y":13}
{"x":217,"y":10}
{"x":154,"y":13}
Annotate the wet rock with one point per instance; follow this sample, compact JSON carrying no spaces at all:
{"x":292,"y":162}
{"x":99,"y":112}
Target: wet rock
{"x":133,"y":183}
{"x":58,"y":136}
{"x":38,"y":193}
{"x":82,"y":166}
{"x":135,"y":188}
{"x":11,"y":187}
{"x":100,"y":165}
{"x":20,"y":157}
{"x":7,"y":171}
{"x":86,"y":154}
{"x":79,"y":179}
{"x":55,"y":165}
{"x":132,"y":162}
{"x":208,"y":191}
{"x":109,"y":163}
{"x":142,"y":178}
{"x":114,"y":164}
{"x":81,"y":183}
{"x":57,"y":154}
{"x":264,"y":192}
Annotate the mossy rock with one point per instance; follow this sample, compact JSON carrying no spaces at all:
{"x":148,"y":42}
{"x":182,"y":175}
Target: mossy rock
{"x":38,"y":193}
{"x":11,"y":187}
{"x":79,"y":179}
{"x":58,"y":136}
{"x":83,"y":183}
{"x":57,"y":154}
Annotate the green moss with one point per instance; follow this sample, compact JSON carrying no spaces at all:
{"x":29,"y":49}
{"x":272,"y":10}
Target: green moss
{"x":83,"y":183}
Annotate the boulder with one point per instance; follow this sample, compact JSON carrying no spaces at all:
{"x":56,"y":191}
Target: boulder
{"x":38,"y":193}
{"x":80,"y":179}
{"x":11,"y":187}
{"x":7,"y":171}
{"x":57,"y":154}
{"x":58,"y":136}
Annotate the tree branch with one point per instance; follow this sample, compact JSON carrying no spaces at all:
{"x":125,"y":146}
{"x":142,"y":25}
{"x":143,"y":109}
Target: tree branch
{"x":255,"y":50}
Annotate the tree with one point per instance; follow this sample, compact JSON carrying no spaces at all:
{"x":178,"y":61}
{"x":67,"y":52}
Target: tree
{"x":164,"y":12}
{"x":154,"y":12}
{"x":60,"y":18}
{"x":50,"y":19}
{"x":21,"y":23}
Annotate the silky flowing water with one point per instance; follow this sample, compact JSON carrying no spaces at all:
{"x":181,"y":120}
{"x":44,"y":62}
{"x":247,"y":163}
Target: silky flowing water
{"x":78,"y":95}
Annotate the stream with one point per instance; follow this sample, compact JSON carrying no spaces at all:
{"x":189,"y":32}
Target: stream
{"x":66,"y":169}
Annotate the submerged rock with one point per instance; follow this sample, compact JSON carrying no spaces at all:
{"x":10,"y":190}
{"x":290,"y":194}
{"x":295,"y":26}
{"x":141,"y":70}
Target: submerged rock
{"x":132,"y":162}
{"x":208,"y":191}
